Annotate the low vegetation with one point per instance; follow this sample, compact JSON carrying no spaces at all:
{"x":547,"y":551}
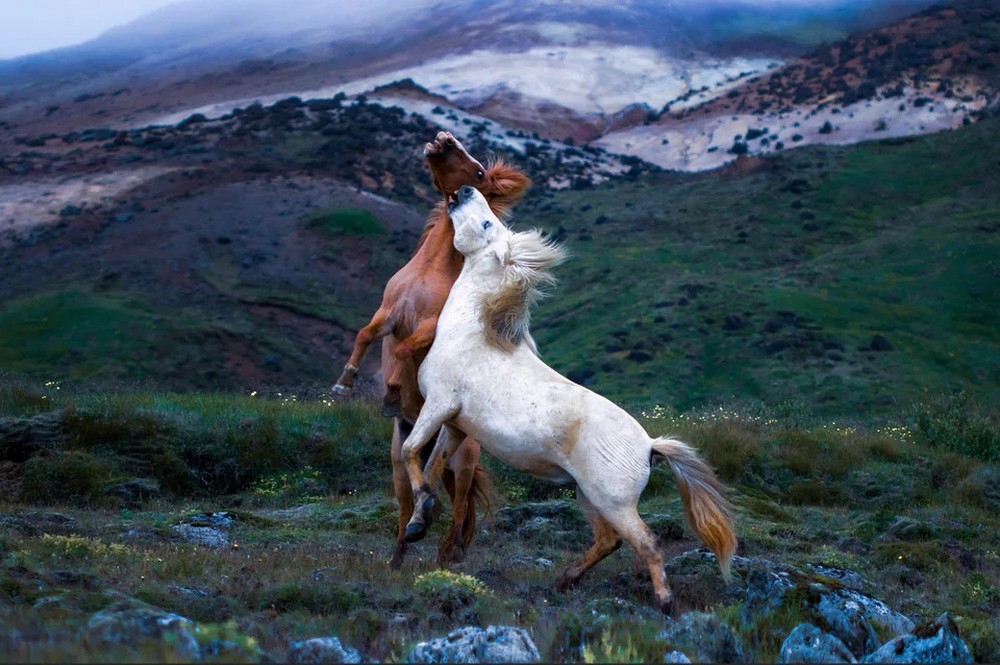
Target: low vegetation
{"x":94,"y":486}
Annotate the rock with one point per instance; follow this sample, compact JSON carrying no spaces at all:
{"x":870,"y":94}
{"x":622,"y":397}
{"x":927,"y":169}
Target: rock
{"x":495,"y":644}
{"x":322,"y":650}
{"x":765,"y":592}
{"x":934,"y":642}
{"x":848,"y":578}
{"x":133,"y":492}
{"x":706,"y":638}
{"x":880,"y":343}
{"x":676,"y":657}
{"x":133,"y":626}
{"x":546,"y":522}
{"x":220,"y":520}
{"x":734,"y":322}
{"x":202,"y":535}
{"x":599,"y":618}
{"x":908,"y":529}
{"x":808,"y":644}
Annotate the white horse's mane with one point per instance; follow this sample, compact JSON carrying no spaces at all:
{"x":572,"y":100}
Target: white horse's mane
{"x":527,"y":263}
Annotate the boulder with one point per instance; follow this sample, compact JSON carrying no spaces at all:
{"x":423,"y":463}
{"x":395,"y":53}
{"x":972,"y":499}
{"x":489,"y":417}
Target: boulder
{"x":934,"y":642}
{"x":138,"y":626}
{"x":852,"y":616}
{"x":495,"y":644}
{"x":706,"y":639}
{"x":202,"y":535}
{"x":676,"y":657}
{"x":322,"y":650}
{"x":808,"y":644}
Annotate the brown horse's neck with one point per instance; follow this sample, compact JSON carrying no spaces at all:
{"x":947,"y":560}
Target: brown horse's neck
{"x":437,"y":244}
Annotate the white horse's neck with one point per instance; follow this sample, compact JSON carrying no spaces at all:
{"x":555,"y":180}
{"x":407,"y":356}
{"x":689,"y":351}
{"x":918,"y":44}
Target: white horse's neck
{"x":481,"y":274}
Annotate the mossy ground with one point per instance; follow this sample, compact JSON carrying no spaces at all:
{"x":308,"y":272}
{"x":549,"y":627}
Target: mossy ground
{"x":307,"y":483}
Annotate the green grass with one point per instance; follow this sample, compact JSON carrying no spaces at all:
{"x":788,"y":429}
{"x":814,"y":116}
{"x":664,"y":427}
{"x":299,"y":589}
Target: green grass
{"x":880,"y":238}
{"x":307,"y":483}
{"x":339,"y":221}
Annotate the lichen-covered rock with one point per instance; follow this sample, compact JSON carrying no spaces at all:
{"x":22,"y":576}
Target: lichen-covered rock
{"x":676,"y":657}
{"x":495,"y":644}
{"x":934,"y":642}
{"x":602,"y":617}
{"x":322,"y":650}
{"x":852,"y":616}
{"x":202,"y":535}
{"x":138,"y":627}
{"x":808,"y":644}
{"x":706,"y":639}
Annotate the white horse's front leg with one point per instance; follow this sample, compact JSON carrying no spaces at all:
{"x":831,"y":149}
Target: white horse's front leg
{"x":432,"y":417}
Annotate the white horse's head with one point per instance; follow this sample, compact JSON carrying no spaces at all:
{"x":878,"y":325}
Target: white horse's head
{"x":523,"y":264}
{"x":477,"y":229}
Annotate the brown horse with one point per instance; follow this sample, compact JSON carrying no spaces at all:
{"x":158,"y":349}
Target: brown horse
{"x":406,"y":321}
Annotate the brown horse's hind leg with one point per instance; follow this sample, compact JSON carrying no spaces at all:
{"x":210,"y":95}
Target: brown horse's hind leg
{"x":377,"y":328}
{"x":606,"y":541}
{"x":463,"y":514}
{"x":401,"y":486}
{"x":420,"y":340}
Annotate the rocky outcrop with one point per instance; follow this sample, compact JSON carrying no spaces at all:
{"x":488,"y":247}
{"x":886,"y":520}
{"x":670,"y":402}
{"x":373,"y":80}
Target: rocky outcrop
{"x":808,"y":644}
{"x":495,"y":644}
{"x":705,"y":638}
{"x":322,"y":650}
{"x":935,"y":642}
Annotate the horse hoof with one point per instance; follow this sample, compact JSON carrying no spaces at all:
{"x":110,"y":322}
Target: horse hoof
{"x":565,"y":583}
{"x":415,"y":531}
{"x":417,"y":528}
{"x":391,"y":410}
{"x":341,"y":389}
{"x":670,"y":608}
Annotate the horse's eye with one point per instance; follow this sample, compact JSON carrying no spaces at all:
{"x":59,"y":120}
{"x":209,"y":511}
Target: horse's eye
{"x":487,"y":224}
{"x":480,"y":174}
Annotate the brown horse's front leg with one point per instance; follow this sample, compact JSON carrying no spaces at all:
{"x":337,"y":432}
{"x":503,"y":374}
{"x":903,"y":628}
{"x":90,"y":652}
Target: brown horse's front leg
{"x":420,"y":340}
{"x":377,"y":328}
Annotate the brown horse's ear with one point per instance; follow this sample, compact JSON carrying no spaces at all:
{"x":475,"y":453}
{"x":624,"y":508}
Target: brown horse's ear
{"x":503,"y":186}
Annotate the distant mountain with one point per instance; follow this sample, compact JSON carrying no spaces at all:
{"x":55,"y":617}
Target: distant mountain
{"x":565,"y":69}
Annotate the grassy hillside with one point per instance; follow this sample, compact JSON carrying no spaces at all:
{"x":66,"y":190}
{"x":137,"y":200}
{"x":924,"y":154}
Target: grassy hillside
{"x":853,"y":280}
{"x":95,"y":488}
{"x":774,"y":284}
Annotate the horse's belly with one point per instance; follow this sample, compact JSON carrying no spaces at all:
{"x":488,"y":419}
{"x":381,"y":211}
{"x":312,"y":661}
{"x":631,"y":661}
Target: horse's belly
{"x":522,"y":450}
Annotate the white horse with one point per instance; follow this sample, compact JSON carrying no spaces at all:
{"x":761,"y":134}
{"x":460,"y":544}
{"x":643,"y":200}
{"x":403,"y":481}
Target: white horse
{"x":482,"y":378}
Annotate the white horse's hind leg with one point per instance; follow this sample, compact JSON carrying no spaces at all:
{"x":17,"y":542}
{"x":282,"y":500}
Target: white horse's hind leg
{"x":606,"y":541}
{"x":627,"y":522}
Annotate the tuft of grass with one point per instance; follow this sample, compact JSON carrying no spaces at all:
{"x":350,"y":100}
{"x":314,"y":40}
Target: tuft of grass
{"x":344,"y":221}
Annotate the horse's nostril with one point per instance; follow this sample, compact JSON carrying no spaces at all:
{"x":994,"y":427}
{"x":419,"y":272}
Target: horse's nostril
{"x":465,"y":192}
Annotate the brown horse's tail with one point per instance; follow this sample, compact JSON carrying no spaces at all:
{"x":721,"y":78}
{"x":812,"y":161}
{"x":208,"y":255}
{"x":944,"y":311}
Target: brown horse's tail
{"x":708,"y":511}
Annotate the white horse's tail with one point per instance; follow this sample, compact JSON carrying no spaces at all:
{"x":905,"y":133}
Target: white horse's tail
{"x":708,"y":511}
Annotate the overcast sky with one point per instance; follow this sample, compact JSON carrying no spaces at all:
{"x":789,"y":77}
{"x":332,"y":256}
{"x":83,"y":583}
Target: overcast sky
{"x":30,"y":26}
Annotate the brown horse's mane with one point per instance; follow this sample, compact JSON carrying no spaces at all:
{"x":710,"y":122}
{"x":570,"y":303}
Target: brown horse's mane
{"x":506,"y":312}
{"x":503,"y":185}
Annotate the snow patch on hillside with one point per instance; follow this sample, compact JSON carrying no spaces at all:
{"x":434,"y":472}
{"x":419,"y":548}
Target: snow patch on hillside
{"x":593,"y":79}
{"x":703,"y":143}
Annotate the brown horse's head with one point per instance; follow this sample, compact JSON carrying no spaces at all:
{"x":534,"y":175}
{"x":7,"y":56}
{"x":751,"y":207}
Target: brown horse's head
{"x":451,"y":164}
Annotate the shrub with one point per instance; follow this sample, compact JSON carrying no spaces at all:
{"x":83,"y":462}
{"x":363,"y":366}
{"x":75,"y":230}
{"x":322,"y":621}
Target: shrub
{"x":74,"y":476}
{"x":958,"y":423}
{"x":454,"y":595}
